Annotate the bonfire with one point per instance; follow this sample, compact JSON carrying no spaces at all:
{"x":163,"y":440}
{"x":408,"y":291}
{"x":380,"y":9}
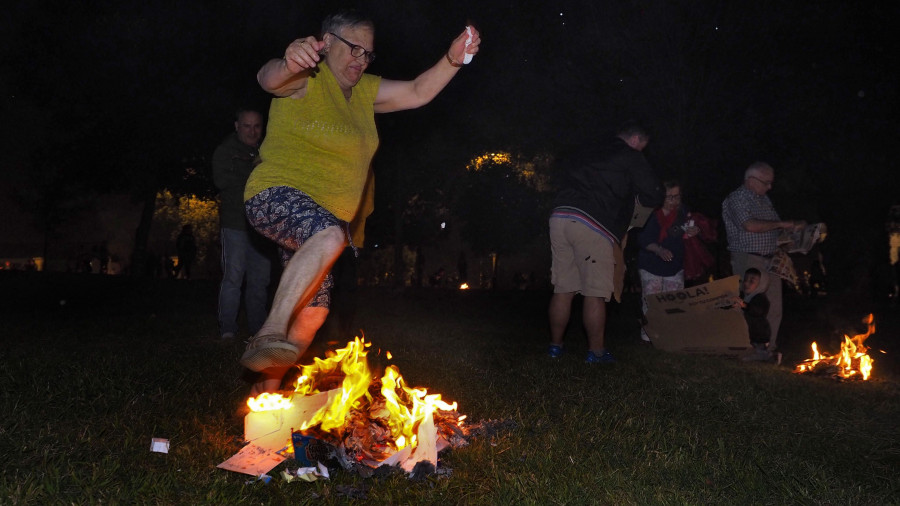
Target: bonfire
{"x":366,"y":420}
{"x":852,"y":362}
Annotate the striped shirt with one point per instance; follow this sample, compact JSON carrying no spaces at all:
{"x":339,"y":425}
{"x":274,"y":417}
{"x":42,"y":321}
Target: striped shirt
{"x":575,"y":214}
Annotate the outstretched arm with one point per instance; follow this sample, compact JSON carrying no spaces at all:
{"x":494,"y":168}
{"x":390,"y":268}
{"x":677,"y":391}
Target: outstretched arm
{"x":401,"y":95}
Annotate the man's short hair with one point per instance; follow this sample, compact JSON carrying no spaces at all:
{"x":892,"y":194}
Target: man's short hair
{"x":240,"y":111}
{"x":630,"y":128}
{"x":668,"y":184}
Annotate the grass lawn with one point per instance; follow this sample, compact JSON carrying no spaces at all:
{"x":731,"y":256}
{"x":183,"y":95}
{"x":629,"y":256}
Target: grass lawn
{"x":88,"y":383}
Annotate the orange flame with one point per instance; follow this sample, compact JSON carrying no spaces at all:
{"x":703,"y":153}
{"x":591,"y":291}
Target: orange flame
{"x":405,"y":407}
{"x":351,"y":360}
{"x":852,"y":362}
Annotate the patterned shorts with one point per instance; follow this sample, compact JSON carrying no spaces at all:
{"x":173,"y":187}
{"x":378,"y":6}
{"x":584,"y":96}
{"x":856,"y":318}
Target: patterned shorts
{"x":290,"y":217}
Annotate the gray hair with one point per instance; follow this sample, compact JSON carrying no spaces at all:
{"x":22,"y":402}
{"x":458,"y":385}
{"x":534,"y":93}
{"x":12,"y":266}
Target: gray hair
{"x":758,"y":168}
{"x":346,"y":18}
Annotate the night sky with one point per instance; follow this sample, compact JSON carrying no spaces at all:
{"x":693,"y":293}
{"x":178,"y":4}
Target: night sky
{"x":113,"y":97}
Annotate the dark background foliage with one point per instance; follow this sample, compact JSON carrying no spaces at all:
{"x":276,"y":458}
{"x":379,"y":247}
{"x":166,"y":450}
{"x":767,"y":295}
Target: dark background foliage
{"x":133,"y":96}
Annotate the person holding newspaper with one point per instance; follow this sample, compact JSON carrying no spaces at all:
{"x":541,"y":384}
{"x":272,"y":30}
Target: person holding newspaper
{"x":752,"y":226}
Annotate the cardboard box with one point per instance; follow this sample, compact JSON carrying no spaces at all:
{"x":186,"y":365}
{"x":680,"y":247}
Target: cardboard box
{"x":700,"y":319}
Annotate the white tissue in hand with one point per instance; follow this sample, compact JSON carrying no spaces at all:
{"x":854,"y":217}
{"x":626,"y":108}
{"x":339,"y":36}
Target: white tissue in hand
{"x":468,"y":57}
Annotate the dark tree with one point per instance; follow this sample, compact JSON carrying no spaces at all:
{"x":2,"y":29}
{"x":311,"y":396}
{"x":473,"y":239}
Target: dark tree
{"x":503,"y":204}
{"x":51,"y":192}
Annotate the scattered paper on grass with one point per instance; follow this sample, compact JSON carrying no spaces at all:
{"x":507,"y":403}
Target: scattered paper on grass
{"x":307,"y":474}
{"x":252,"y":460}
{"x":265,"y":478}
{"x":313,"y":473}
{"x":159,"y":445}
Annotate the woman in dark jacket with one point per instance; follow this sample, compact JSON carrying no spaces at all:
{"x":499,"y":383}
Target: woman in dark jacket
{"x":661,"y":247}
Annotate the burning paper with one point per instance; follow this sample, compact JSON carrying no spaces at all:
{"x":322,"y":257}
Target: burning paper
{"x":851,"y":363}
{"x":365,"y":420}
{"x":272,"y":417}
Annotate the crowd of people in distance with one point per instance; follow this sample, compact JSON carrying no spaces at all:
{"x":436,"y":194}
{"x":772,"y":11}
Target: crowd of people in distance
{"x":306,"y":188}
{"x":602,"y":184}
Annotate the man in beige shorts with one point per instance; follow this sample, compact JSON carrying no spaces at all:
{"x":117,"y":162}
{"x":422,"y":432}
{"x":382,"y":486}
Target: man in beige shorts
{"x":591,"y":215}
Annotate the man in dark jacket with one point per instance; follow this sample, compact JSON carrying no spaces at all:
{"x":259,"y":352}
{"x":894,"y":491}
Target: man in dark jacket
{"x":589,"y":221}
{"x":243,"y":250}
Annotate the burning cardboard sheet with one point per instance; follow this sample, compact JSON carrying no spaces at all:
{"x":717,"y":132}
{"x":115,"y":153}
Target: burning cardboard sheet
{"x":270,"y":425}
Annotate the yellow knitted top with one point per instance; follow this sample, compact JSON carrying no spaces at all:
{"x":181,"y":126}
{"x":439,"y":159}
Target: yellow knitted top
{"x":322,"y":145}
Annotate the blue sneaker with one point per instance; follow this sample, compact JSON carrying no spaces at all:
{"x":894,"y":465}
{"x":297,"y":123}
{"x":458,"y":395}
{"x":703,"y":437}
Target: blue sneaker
{"x":604,"y":358}
{"x":555,"y":351}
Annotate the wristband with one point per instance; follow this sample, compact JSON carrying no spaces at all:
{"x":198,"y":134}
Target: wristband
{"x":451,"y":62}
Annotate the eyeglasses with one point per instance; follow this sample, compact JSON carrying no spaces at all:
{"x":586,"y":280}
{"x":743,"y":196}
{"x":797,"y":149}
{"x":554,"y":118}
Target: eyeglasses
{"x":675,"y":196}
{"x":356,"y":51}
{"x":763,"y":181}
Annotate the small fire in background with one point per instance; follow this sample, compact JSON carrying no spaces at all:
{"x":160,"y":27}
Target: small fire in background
{"x":851,"y":363}
{"x":464,"y":286}
{"x":366,"y":418}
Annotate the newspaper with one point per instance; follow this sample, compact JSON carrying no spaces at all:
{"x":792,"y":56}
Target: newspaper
{"x":782,"y":266}
{"x":802,"y":240}
{"x":795,"y":241}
